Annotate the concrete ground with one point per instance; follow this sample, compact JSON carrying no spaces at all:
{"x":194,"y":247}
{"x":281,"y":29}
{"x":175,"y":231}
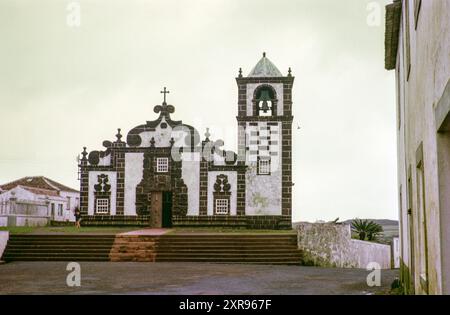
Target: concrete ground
{"x":186,"y":278}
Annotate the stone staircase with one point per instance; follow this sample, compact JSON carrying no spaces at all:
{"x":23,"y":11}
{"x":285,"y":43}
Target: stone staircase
{"x":28,"y":247}
{"x":229,"y":248}
{"x":241,"y":248}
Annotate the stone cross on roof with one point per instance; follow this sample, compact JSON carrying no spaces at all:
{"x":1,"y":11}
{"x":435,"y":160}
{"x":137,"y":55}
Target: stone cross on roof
{"x":165,"y":92}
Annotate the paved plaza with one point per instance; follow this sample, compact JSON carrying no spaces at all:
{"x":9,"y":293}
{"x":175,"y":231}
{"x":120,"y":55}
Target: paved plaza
{"x":186,"y":278}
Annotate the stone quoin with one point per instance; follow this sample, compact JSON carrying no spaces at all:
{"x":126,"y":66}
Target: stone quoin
{"x":165,"y":175}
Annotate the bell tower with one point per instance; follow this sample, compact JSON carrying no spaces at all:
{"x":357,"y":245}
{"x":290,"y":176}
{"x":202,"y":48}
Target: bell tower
{"x":265,"y":138}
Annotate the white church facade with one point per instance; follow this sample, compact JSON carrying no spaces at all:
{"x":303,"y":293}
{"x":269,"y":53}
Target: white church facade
{"x":165,"y":174}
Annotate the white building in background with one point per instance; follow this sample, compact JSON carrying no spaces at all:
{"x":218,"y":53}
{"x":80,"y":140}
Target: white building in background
{"x":418,"y":49}
{"x":31,"y":201}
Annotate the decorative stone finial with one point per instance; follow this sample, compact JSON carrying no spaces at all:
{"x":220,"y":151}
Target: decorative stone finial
{"x":240,"y":73}
{"x":207,"y":134}
{"x":118,"y":135}
{"x":264,"y":54}
{"x":289,"y":72}
{"x":84,"y":154}
{"x":172,"y":141}
{"x":152,"y":142}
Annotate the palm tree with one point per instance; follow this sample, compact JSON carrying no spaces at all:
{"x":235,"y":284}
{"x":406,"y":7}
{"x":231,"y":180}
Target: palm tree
{"x":366,"y":228}
{"x":374,"y":230}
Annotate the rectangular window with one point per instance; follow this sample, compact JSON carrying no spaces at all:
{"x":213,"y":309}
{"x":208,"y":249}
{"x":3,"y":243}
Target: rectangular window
{"x":264,"y":167}
{"x":60,"y":209}
{"x":222,"y":206}
{"x":68,"y":203}
{"x":162,"y":165}
{"x":102,"y":205}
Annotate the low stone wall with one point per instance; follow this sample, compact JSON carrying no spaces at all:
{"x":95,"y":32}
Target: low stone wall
{"x":4,"y":236}
{"x":331,"y":245}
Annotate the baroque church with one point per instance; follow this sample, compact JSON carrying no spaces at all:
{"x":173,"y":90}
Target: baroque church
{"x":166,"y":175}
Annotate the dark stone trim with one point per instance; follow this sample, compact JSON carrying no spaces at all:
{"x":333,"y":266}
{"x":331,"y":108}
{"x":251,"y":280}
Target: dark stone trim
{"x":203,"y":189}
{"x":246,"y":80}
{"x":240,"y":200}
{"x":258,"y":159}
{"x":235,"y":221}
{"x":153,"y":181}
{"x":286,"y":169}
{"x":224,"y":168}
{"x":84,"y":189}
{"x":115,"y":220}
{"x":119,"y":163}
{"x":392,"y":29}
{"x":265,"y":118}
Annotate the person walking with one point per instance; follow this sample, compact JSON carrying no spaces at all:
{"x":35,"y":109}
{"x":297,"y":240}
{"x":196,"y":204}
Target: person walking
{"x":77,"y":217}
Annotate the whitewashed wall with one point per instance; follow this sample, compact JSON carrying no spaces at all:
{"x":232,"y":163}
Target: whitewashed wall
{"x":133,"y":175}
{"x":331,"y":245}
{"x":21,"y":194}
{"x":163,"y":136}
{"x":190,"y":172}
{"x":263,"y":192}
{"x":232,"y":180}
{"x":69,"y":207}
{"x":105,"y":161}
{"x":92,"y":181}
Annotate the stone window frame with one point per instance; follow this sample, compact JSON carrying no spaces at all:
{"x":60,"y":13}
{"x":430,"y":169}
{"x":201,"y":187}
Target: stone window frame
{"x":268,"y":165}
{"x":222,"y":206}
{"x":102,"y":208}
{"x":162,"y":164}
{"x":222,"y":191}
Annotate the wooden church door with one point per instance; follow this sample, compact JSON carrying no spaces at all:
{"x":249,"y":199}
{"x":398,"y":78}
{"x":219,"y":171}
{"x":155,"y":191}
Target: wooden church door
{"x":156,"y":209}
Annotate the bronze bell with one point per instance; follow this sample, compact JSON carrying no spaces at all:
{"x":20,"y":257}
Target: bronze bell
{"x":264,"y":98}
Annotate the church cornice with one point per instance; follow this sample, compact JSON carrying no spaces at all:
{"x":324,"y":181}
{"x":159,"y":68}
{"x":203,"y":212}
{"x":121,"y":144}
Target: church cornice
{"x":264,"y":118}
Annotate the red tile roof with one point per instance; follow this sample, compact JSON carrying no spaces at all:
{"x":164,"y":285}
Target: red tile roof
{"x":38,"y":182}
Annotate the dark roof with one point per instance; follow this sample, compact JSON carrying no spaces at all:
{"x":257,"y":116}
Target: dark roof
{"x":39,"y":182}
{"x":41,"y":191}
{"x":393,"y":17}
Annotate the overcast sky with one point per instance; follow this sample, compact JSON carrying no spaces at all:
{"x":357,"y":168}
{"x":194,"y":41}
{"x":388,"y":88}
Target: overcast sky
{"x":62,"y":87}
